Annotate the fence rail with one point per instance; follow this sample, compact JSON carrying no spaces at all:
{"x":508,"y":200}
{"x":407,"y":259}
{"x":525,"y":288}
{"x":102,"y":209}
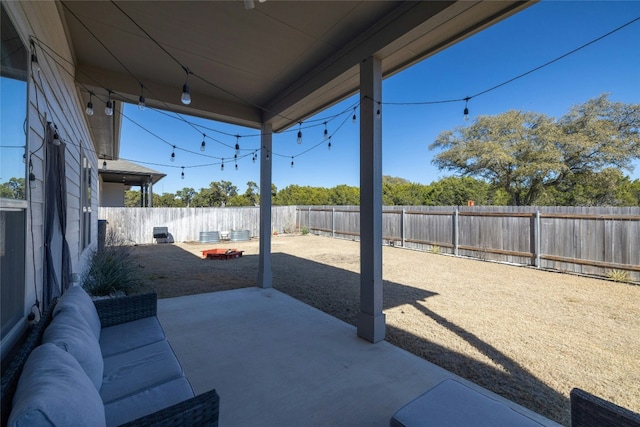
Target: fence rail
{"x":185,"y":224}
{"x":591,"y":241}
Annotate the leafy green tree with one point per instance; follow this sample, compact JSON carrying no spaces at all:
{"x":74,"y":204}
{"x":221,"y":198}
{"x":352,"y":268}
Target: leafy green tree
{"x":132,"y":198}
{"x":167,"y":200}
{"x":186,"y":195}
{"x":529,"y":154}
{"x":298,"y":195}
{"x":344,"y":195}
{"x":13,"y":189}
{"x":456,"y":191}
{"x":218,"y":194}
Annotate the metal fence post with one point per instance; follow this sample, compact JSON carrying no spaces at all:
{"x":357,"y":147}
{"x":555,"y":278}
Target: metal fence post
{"x":456,"y":234}
{"x":402,"y":224}
{"x":333,"y":222}
{"x":537,"y":232}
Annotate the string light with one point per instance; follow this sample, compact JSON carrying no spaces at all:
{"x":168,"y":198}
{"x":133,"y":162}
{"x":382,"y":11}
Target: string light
{"x":204,"y":144}
{"x":292,"y":161}
{"x":182,"y":174}
{"x":34,"y":58}
{"x":354,"y":119}
{"x":141,"y":100}
{"x":222,"y":165}
{"x":186,"y":92}
{"x":104,"y":165}
{"x":299,"y":140}
{"x":237,"y":145}
{"x":253,"y":158}
{"x":329,"y":144}
{"x":378,"y":114}
{"x":466,"y":109}
{"x":56,"y":137}
{"x":89,"y":109}
{"x":173,"y":154}
{"x":108,"y":108}
{"x":326,"y":132}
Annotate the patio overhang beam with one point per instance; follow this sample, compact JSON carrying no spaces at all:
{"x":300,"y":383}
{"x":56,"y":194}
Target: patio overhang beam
{"x":165,"y":97}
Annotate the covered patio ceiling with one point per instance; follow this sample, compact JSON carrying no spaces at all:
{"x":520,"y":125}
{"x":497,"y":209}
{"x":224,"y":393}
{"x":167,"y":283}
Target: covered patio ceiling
{"x":279,"y":62}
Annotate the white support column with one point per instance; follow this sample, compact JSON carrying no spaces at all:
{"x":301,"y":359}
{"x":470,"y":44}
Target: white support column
{"x":371,"y":320}
{"x":265,"y":278}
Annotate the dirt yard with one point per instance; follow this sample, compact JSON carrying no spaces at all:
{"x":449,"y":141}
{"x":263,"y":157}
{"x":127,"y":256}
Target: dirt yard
{"x":525,"y":334}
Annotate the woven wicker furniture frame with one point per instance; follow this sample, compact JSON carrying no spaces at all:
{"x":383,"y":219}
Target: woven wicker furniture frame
{"x":588,"y":410}
{"x":201,"y":410}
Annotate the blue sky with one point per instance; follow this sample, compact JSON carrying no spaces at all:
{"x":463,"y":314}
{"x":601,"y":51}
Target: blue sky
{"x":525,"y":41}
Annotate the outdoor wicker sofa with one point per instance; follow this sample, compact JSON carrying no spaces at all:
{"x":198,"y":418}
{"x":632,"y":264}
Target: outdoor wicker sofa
{"x":588,"y":410}
{"x":57,"y":377}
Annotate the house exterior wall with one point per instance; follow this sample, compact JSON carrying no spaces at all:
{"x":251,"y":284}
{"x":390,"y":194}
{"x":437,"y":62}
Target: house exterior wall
{"x":52,"y":97}
{"x":112,"y":195}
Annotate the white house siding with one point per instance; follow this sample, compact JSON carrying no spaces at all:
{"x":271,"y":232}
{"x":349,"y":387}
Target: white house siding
{"x":58,"y":99}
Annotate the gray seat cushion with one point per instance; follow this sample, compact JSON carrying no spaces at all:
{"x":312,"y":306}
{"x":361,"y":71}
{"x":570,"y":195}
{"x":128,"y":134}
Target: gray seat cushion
{"x":452,"y":404}
{"x":54,"y":391}
{"x":148,"y":401}
{"x":70,"y":332}
{"x":76,"y":298}
{"x":139,"y":369}
{"x":128,"y":336}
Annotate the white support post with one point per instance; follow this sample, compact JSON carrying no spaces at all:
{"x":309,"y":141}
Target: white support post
{"x":265,"y":277}
{"x":371,"y":321}
{"x":403,"y":226}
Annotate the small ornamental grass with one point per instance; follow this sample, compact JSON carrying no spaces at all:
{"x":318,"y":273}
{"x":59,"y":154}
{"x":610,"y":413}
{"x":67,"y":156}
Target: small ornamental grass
{"x":111,"y":271}
{"x":619,"y":276}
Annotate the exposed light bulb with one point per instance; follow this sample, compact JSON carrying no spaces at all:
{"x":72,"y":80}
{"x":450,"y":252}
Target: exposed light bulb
{"x":236,"y":166}
{"x":182,"y":174}
{"x":89,"y":109}
{"x":267,"y":155}
{"x":186,"y":94}
{"x":326,"y":132}
{"x":173,"y":154}
{"x":292,"y":162}
{"x":237,"y":145}
{"x":253,"y":159}
{"x":222,"y":166}
{"x":466,"y":109}
{"x":354,"y":119}
{"x":104,"y":165}
{"x":329,"y":144}
{"x":141,"y":103}
{"x":108,"y":108}
{"x":56,"y":138}
{"x":203,"y":144}
{"x":35,"y":66}
{"x":378,"y":114}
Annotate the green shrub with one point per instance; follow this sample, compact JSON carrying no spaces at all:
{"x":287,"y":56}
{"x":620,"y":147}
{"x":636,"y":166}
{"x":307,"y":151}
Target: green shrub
{"x":111,"y":271}
{"x":304,"y":231}
{"x":435,"y":249}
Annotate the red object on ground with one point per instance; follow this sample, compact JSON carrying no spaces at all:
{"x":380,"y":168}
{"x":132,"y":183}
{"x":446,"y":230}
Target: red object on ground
{"x":221,"y":253}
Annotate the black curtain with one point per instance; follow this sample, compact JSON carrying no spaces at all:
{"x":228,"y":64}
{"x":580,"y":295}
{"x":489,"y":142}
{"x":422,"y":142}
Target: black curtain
{"x":57,"y":262}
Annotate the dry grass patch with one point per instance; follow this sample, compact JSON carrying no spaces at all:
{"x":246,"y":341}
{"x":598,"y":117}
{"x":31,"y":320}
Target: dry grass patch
{"x":526,"y":334}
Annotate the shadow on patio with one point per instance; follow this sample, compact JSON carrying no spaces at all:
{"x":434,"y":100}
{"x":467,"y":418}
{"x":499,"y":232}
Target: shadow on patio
{"x":225,"y":343}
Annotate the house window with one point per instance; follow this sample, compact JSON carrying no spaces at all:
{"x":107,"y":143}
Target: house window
{"x":86,"y":202}
{"x":14,"y":159}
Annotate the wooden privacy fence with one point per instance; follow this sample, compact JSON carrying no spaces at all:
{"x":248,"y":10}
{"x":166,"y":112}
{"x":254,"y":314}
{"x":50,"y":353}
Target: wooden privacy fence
{"x":593,"y":241}
{"x":135,"y":225}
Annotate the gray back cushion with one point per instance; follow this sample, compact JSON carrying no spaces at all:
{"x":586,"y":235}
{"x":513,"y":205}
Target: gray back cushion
{"x":53,"y":390}
{"x":76,"y":298}
{"x":69,"y":331}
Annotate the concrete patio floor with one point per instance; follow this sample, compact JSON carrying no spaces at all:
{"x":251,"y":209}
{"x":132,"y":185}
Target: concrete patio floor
{"x":276,"y":361}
